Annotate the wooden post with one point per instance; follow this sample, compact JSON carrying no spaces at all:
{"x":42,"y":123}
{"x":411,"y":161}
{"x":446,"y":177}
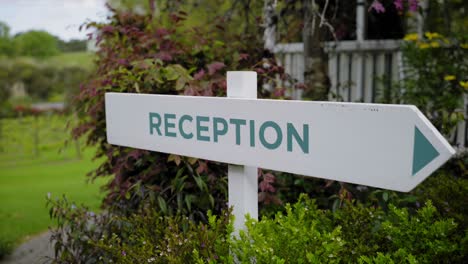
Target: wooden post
{"x":242,"y":180}
{"x":421,"y":17}
{"x":360,"y":20}
{"x":269,"y":35}
{"x":360,"y":33}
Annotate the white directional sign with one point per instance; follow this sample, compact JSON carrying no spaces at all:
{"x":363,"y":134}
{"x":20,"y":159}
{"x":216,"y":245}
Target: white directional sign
{"x":388,"y":146}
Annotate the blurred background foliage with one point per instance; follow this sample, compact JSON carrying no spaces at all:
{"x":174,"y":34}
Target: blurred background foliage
{"x":40,"y":74}
{"x":185,"y":48}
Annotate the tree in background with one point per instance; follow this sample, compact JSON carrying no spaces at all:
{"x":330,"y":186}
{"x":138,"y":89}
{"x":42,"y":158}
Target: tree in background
{"x":72,"y":45}
{"x":4,"y":30}
{"x":6,"y":44}
{"x":39,"y":44}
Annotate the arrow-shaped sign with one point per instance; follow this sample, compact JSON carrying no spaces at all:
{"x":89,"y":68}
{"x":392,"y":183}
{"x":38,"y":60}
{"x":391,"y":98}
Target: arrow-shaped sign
{"x":387,"y":146}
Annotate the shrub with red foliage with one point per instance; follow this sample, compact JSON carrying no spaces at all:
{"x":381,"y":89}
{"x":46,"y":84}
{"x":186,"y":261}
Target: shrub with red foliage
{"x":22,"y":110}
{"x":141,"y":54}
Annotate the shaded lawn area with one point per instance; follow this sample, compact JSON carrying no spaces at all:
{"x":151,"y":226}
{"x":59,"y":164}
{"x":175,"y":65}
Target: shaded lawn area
{"x":25,"y":179}
{"x":23,"y":190}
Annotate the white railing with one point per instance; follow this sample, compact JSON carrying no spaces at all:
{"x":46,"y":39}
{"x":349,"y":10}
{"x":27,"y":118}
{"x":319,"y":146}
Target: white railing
{"x":290,"y":56}
{"x":363,"y":71}
{"x":359,"y":72}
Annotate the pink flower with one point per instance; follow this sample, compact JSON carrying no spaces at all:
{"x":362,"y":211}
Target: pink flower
{"x":279,"y":92}
{"x":107,"y":29}
{"x":413,"y":5}
{"x":199,"y":74}
{"x":161,"y":32}
{"x":152,"y":5}
{"x":122,"y":62}
{"x":163,"y":55}
{"x":214,"y":67}
{"x":398,"y":4}
{"x":377,"y":6}
{"x":243,"y":56}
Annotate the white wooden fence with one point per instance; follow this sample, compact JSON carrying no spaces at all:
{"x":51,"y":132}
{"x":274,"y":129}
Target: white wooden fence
{"x":363,"y":72}
{"x":291,"y":57}
{"x":359,"y":72}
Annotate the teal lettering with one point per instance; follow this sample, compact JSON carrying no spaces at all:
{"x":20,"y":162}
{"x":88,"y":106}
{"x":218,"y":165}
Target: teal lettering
{"x":279,"y":135}
{"x":252,"y":133}
{"x":201,"y":128}
{"x":238,"y":123}
{"x":154,"y":125}
{"x":302,"y":142}
{"x":216,"y":130}
{"x":168,"y":124}
{"x":181,"y":126}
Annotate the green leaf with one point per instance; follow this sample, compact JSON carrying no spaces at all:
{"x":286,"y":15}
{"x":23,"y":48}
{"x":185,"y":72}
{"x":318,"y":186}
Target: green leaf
{"x":191,"y":160}
{"x":162,"y":204}
{"x":385,"y":196}
{"x":336,"y":205}
{"x":158,"y":62}
{"x":171,"y":74}
{"x":180,"y":84}
{"x":137,"y":87}
{"x":179,"y":172}
{"x":200,"y":183}
{"x":179,"y":201}
{"x":155,"y":74}
{"x":188,"y":201}
{"x":175,"y":158}
{"x":218,"y":43}
{"x":211,"y":200}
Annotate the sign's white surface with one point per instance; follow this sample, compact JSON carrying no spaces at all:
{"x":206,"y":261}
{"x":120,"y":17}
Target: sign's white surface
{"x":387,"y":146}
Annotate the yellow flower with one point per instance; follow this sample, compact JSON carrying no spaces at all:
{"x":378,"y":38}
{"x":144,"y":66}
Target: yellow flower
{"x":464,"y":84}
{"x":411,"y":37}
{"x":423,"y":45}
{"x":464,"y":45}
{"x":435,"y":44}
{"x":434,"y":35}
{"x":449,"y":77}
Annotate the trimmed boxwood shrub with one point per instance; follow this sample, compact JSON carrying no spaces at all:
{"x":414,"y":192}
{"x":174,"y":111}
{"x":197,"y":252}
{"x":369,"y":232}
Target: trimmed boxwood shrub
{"x":302,"y":234}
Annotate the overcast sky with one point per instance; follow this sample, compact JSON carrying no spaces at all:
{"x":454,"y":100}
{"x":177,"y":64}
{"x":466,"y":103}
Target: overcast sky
{"x":62,"y":18}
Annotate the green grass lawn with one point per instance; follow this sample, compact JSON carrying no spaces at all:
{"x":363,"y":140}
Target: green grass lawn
{"x":82,"y":59}
{"x":26,"y":175}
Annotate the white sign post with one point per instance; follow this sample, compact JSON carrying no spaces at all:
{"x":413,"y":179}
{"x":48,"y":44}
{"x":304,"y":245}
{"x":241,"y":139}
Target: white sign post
{"x":242,"y":180}
{"x":387,"y":146}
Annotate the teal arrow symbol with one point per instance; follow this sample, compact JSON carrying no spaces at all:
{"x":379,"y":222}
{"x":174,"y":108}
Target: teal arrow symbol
{"x":423,"y":151}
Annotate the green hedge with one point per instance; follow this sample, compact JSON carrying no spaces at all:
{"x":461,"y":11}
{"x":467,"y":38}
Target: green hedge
{"x":302,"y":234}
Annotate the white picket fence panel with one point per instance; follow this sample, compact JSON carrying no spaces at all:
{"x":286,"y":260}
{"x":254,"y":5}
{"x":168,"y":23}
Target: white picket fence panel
{"x":370,"y":61}
{"x":360,"y":72}
{"x":290,"y":56}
